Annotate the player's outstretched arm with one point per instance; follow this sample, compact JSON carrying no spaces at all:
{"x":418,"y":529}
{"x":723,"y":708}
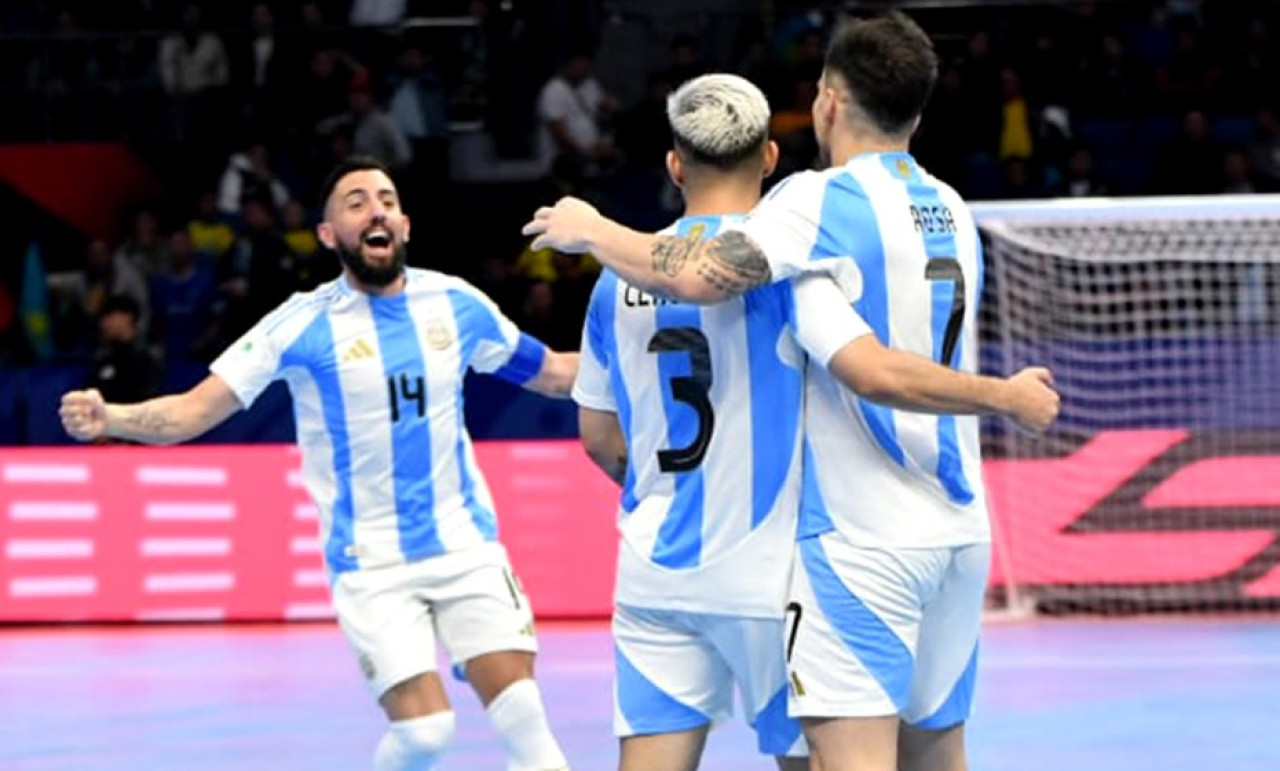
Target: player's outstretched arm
{"x":163,"y":420}
{"x":910,"y":382}
{"x":681,"y":268}
{"x":603,"y":440}
{"x":555,"y":376}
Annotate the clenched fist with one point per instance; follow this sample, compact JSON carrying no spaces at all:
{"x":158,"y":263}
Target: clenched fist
{"x":1035,"y":403}
{"x":84,"y":414}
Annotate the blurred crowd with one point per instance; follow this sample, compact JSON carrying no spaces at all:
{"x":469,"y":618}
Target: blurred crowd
{"x":240,"y":108}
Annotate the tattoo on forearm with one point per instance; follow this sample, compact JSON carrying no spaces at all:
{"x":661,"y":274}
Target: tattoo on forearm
{"x":150,"y":421}
{"x":733,"y":262}
{"x":670,"y":253}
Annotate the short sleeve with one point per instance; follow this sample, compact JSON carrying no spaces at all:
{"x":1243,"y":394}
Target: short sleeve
{"x":555,"y":102}
{"x":250,"y":364}
{"x":785,"y":225}
{"x":492,"y":343}
{"x":592,"y":388}
{"x":825,"y":320}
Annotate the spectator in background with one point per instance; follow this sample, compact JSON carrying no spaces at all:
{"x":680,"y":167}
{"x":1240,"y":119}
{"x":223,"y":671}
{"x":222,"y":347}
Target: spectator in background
{"x":571,"y":107}
{"x":1190,"y":163}
{"x":255,"y":275}
{"x":144,"y":250}
{"x":321,"y":91}
{"x":249,"y":176}
{"x":131,"y":80}
{"x":686,"y":61}
{"x":1111,"y":83}
{"x":211,"y":234}
{"x":1264,"y":150}
{"x":309,"y":265}
{"x":1237,"y":177}
{"x":1083,"y":180}
{"x":184,"y":297}
{"x":122,"y":370}
{"x":193,"y":69}
{"x":257,"y":63}
{"x":1021,"y":180}
{"x":1188,"y":78}
{"x":1015,"y":123}
{"x":105,"y":276}
{"x":373,"y":132}
{"x":419,"y":108}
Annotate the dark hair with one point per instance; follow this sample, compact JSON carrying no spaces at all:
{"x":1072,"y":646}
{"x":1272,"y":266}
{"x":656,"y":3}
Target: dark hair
{"x":120,"y":303}
{"x":349,"y":165}
{"x":889,"y":65}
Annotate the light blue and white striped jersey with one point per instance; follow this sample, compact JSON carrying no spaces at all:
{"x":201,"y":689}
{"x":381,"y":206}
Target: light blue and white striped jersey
{"x":904,"y":248}
{"x":709,"y":400}
{"x":377,"y":397}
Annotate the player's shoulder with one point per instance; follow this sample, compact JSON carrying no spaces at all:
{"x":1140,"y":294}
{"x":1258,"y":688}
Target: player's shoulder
{"x":296,"y":313}
{"x":422,"y":281}
{"x":802,"y":185}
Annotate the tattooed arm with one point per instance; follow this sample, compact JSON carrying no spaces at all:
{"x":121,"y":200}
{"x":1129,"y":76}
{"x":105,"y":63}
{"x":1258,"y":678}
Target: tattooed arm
{"x":163,"y":420}
{"x":681,"y":268}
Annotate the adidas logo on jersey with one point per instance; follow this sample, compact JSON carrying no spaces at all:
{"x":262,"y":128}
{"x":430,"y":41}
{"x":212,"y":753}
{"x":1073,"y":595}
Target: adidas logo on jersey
{"x":358,"y":350}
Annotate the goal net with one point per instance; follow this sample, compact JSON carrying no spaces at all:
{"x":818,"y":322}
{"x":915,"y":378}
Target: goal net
{"x":1159,"y":487}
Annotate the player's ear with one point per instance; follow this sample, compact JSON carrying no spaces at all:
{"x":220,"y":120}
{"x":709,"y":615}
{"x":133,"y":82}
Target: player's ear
{"x":324,"y":232}
{"x":770,"y":159}
{"x":675,"y":168}
{"x":406,"y":228}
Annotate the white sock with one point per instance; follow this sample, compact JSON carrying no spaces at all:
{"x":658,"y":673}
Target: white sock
{"x":518,"y":716}
{"x":415,"y":744}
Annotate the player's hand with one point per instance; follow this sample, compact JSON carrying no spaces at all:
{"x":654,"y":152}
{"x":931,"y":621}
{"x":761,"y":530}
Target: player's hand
{"x":564,"y":227}
{"x":84,"y":414}
{"x":1034,"y":404}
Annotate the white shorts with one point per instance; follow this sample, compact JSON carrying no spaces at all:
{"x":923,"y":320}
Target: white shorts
{"x":877,"y":632}
{"x":675,"y":671}
{"x":470,"y":599}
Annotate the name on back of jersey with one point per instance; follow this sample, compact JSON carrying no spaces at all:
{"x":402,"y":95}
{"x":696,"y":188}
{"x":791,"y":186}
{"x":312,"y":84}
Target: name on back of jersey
{"x":635,"y":298}
{"x":933,"y":219}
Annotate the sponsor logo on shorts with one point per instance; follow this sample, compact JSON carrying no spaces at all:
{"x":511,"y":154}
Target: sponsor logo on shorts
{"x":527,"y":630}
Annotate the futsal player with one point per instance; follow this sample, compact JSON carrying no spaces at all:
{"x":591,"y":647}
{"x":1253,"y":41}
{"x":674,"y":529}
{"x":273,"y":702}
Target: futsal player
{"x":375,"y":363}
{"x":669,"y":624}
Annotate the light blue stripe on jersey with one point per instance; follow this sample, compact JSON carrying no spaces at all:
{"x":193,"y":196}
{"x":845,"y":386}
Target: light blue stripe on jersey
{"x":679,"y":542}
{"x":475,"y":324}
{"x":814,"y":517}
{"x":772,"y":384}
{"x":314,"y":352}
{"x":403,"y":363}
{"x":939,"y":242}
{"x":604,"y":346}
{"x":849,"y":226}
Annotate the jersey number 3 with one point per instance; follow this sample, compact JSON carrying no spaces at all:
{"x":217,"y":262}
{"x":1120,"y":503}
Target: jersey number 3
{"x":948,"y":269}
{"x":692,"y":389}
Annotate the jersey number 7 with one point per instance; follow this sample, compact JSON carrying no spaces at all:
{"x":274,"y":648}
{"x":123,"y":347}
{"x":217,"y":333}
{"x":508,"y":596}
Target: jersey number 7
{"x":948,"y":269}
{"x":692,"y":389}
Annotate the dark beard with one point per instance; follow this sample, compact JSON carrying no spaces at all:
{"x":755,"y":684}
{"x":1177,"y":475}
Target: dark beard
{"x":370,"y":275}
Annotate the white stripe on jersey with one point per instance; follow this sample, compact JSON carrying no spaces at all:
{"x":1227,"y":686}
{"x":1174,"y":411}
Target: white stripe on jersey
{"x":882,"y":226}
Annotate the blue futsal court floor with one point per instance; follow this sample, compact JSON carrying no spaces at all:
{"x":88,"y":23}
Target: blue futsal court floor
{"x":1054,"y":695}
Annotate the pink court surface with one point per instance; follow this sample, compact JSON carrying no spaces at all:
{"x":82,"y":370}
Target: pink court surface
{"x":1054,"y":695}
